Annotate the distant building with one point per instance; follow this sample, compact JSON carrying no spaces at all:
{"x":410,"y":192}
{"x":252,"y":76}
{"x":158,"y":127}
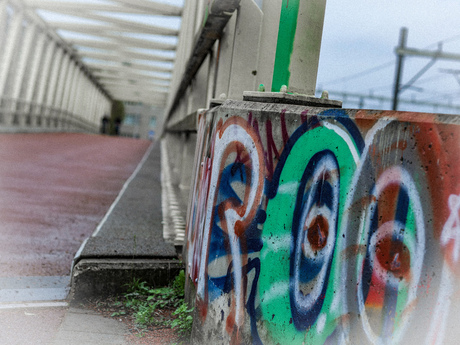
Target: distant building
{"x":141,"y":120}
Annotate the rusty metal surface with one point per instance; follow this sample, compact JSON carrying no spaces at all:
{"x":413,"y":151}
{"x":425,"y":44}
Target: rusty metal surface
{"x":54,"y":189}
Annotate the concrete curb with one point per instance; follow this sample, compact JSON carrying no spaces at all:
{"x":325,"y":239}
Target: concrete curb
{"x":92,"y":278}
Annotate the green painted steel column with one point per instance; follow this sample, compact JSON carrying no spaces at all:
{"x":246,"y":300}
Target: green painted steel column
{"x":298,"y":45}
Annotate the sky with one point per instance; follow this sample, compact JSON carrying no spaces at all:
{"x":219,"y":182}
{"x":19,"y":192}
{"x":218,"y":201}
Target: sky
{"x":358,"y":50}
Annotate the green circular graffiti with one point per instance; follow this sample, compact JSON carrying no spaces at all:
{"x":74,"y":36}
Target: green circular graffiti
{"x":274,"y":280}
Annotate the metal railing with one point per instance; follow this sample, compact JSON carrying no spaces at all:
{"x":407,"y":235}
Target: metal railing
{"x":20,"y":115}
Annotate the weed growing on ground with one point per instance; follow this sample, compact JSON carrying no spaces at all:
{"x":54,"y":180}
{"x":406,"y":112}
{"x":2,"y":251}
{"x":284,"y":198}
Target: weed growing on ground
{"x":184,"y":320}
{"x":148,"y":305}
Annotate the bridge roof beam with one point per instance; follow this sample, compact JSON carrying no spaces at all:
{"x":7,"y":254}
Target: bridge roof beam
{"x":98,"y":66}
{"x":123,"y":55}
{"x":122,"y":7}
{"x":114,"y":44}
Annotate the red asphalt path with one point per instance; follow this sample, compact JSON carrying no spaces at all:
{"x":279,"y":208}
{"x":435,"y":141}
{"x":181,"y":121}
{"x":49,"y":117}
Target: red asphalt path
{"x":54,"y":190}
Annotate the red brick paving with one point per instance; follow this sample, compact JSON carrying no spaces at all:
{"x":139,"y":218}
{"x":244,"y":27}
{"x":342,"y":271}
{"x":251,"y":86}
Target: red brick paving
{"x":54,"y":189}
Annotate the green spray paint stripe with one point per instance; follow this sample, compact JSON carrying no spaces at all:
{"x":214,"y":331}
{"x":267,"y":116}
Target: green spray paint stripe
{"x":285,"y":43}
{"x":206,"y":15}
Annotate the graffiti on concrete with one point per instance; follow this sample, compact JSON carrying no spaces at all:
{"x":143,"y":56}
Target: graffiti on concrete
{"x":324,"y":226}
{"x":451,"y":230}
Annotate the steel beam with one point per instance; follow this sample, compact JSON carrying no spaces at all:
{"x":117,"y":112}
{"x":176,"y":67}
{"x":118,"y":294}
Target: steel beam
{"x":97,"y":29}
{"x":77,"y":92}
{"x":38,"y":58}
{"x":65,"y":7}
{"x":130,"y":75}
{"x":114,"y":44}
{"x":123,"y":55}
{"x":68,"y":85}
{"x":52,"y":84}
{"x":63,"y":75}
{"x":132,"y":82}
{"x":298,"y":46}
{"x":24,"y":57}
{"x":438,"y":54}
{"x":128,"y":67}
{"x":149,"y":6}
{"x":3,"y":16}
{"x":220,"y":12}
{"x":46,"y":68}
{"x":72,"y":89}
{"x":12,"y":39}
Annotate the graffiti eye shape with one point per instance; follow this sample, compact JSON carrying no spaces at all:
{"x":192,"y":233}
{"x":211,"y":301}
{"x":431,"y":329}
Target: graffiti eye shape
{"x":389,"y":272}
{"x":314,"y":234}
{"x":388,"y":259}
{"x":393,"y":256}
{"x":317,"y":232}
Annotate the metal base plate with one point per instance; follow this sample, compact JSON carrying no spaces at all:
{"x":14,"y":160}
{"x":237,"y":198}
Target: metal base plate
{"x":287,"y":98}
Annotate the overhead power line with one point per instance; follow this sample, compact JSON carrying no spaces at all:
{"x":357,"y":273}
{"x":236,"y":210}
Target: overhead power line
{"x":361,"y":74}
{"x":402,"y":51}
{"x":385,"y":65}
{"x":361,"y":98}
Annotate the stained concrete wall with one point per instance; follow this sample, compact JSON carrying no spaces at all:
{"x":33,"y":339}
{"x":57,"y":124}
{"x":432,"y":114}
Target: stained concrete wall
{"x":314,"y":226}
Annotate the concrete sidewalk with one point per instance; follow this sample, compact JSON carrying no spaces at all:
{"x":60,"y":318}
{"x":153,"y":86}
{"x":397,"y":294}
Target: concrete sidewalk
{"x":86,"y":327}
{"x":127,"y":244}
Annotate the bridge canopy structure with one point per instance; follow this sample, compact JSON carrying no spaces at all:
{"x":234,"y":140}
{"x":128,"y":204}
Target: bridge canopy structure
{"x":64,"y":62}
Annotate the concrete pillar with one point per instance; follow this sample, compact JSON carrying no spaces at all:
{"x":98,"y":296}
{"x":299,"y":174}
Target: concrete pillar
{"x":9,"y":49}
